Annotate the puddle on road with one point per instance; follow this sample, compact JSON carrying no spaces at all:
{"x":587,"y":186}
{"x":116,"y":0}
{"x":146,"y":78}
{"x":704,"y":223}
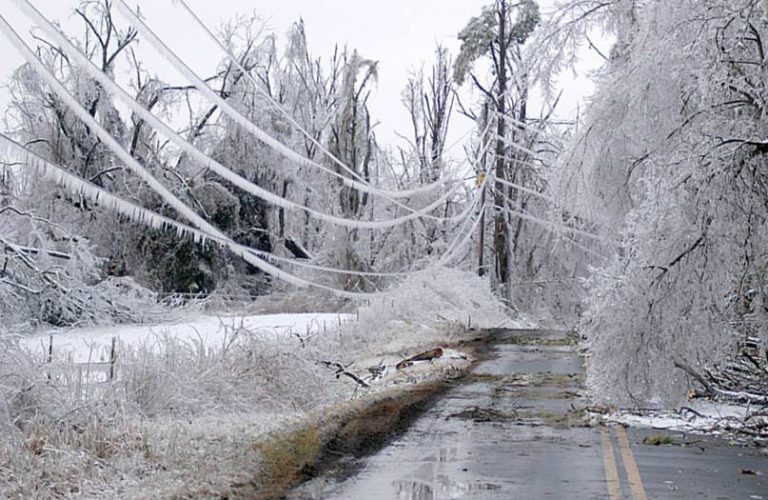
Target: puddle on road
{"x":439,"y":488}
{"x":535,"y":338}
{"x":445,"y":455}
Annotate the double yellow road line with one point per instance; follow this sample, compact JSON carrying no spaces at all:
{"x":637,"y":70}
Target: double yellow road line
{"x":630,"y":466}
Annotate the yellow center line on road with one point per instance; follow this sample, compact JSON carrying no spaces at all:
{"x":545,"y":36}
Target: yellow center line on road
{"x":633,"y":474}
{"x":611,"y":473}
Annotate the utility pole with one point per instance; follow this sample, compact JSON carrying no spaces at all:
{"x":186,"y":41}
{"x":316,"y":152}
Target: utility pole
{"x":499,"y":34}
{"x":481,"y":245}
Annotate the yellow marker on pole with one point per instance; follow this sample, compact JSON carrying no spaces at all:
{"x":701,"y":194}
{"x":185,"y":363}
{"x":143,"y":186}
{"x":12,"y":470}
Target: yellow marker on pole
{"x":480,"y":179}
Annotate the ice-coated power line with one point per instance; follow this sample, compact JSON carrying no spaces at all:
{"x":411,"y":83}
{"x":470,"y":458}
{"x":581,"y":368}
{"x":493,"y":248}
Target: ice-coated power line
{"x":273,"y":102}
{"x":555,"y":225}
{"x":108,"y":83}
{"x":205,"y":160}
{"x":519,"y":147}
{"x":244,"y":122}
{"x":523,"y":189}
{"x":462,"y":240}
{"x":207,"y":231}
{"x":517,"y":123}
{"x":149,"y":218}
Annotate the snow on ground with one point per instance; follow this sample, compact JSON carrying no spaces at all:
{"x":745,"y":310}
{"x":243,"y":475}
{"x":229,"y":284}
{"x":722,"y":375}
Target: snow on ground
{"x":699,"y":417}
{"x":421,"y":308}
{"x":93,"y":344}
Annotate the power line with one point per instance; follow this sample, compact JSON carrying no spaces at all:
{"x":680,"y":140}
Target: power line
{"x":151,"y":219}
{"x":205,"y":229}
{"x":273,"y":102}
{"x":205,"y":160}
{"x":268,"y":140}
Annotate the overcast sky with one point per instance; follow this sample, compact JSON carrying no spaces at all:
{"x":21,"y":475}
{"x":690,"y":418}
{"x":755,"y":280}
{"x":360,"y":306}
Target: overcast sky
{"x":400,"y":34}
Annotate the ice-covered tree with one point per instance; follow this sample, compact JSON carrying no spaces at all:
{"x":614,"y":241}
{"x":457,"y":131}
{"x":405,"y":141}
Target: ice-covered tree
{"x":430,"y":101}
{"x":670,"y":162}
{"x":514,"y":148}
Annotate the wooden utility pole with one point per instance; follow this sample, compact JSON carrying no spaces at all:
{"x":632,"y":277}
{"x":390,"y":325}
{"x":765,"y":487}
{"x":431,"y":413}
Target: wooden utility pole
{"x":481,"y":244}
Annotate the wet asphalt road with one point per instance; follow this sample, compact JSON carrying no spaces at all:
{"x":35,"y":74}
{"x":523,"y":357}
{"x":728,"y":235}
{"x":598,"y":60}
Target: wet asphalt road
{"x":515,"y":428}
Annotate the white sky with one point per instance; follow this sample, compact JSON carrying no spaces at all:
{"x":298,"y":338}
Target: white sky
{"x":400,"y":34}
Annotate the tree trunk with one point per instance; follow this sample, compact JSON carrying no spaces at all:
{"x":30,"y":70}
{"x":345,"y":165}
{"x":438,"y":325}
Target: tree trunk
{"x":501,"y":228}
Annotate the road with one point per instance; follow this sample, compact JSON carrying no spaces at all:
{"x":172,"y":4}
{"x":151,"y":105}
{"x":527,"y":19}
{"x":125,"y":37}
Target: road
{"x":516,"y":428}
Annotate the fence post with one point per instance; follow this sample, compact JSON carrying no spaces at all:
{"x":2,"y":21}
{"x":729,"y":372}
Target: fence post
{"x":112,"y":359}
{"x":79,"y":382}
{"x":50,"y":353}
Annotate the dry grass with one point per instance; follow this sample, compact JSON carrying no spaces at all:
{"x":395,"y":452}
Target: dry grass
{"x":287,"y":459}
{"x":155,"y":429}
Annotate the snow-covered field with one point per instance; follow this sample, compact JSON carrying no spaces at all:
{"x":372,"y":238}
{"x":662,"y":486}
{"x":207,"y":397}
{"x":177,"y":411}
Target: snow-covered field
{"x":93,"y":344}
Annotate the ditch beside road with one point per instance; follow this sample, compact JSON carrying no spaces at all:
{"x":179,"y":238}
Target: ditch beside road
{"x":516,"y":427}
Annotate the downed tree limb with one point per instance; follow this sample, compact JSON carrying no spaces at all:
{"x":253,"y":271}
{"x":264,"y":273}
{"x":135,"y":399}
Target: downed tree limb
{"x":696,"y":375}
{"x":713,"y":390}
{"x":742,"y":379}
{"x":756,"y":363}
{"x":742,"y":396}
{"x":340,"y":370}
{"x":422,"y":356}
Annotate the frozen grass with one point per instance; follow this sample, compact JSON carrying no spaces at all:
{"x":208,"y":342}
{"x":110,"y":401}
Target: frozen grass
{"x":186,"y":415}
